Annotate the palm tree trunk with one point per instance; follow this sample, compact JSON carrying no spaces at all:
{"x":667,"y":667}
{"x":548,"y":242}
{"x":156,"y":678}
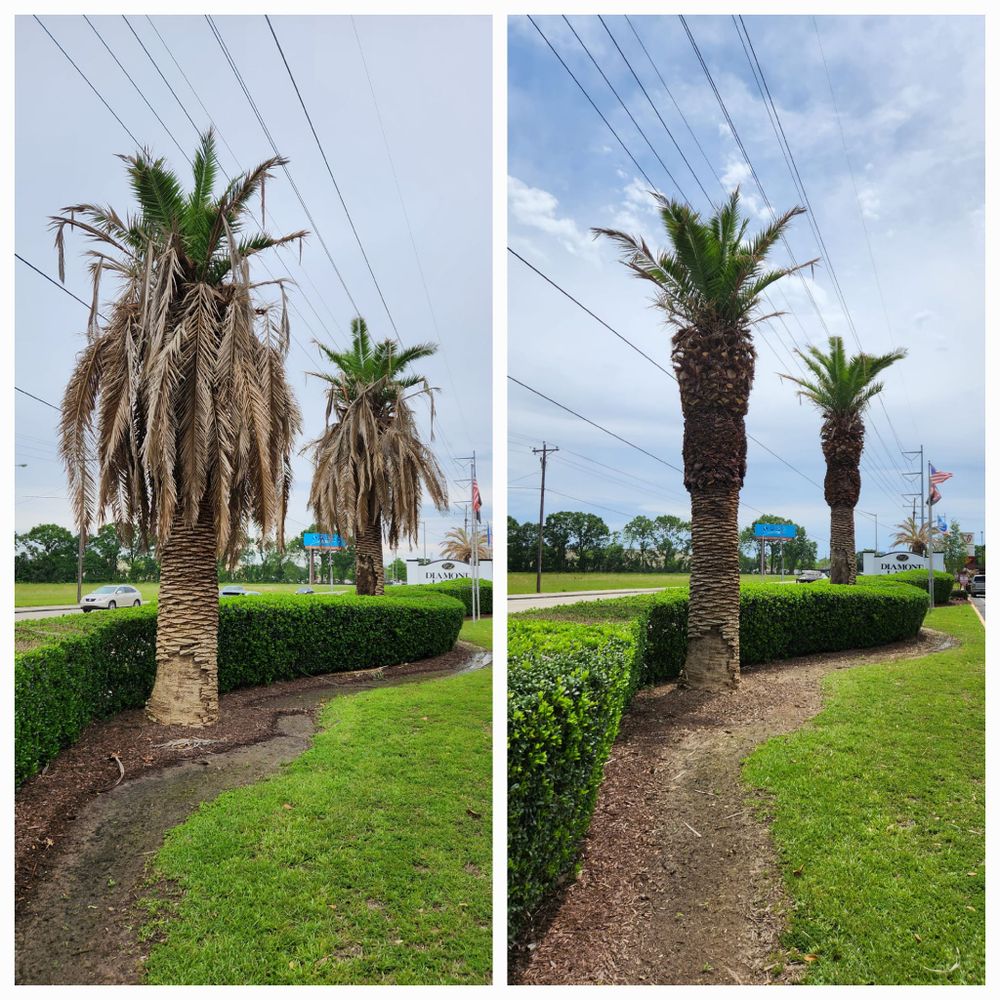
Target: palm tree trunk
{"x":369,"y":575}
{"x":186,"y":691}
{"x":713,"y":630}
{"x":843,"y":560}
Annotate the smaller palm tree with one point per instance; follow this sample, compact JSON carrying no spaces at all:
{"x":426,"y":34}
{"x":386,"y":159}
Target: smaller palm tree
{"x":371,"y":466}
{"x":458,"y":546}
{"x":912,"y":535}
{"x":841,"y":388}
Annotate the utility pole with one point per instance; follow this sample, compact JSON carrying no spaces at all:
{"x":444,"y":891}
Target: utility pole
{"x":930,"y":544}
{"x":79,"y":565}
{"x":423,"y":524}
{"x":471,"y":515}
{"x":544,"y":451}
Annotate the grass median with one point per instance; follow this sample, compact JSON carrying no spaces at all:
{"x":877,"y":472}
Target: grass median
{"x":366,"y":861}
{"x":41,"y":595}
{"x":878,"y":815}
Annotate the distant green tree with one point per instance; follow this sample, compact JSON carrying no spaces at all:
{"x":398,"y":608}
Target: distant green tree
{"x":45,"y":554}
{"x":101,"y":556}
{"x":522,"y":546}
{"x":557,"y":533}
{"x":955,"y":549}
{"x":640,"y":534}
{"x":672,"y":541}
{"x":587,"y":536}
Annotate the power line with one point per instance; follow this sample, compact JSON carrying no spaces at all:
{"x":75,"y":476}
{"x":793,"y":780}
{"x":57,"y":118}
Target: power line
{"x":38,"y":399}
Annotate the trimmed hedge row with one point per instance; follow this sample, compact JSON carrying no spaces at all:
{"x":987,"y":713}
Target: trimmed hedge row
{"x":567,"y":688}
{"x":944,"y":583}
{"x":63,"y":687}
{"x":569,"y":684}
{"x":459,"y":589}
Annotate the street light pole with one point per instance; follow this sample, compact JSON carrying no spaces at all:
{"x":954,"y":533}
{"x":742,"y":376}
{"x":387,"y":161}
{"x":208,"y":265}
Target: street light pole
{"x":545,"y":451}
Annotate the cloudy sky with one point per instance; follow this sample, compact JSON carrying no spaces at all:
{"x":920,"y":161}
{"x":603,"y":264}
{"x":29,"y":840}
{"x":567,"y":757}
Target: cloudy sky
{"x":431,"y":78}
{"x":901,"y":170}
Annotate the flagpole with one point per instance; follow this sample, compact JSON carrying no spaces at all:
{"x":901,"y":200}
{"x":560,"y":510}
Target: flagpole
{"x":930,"y":544}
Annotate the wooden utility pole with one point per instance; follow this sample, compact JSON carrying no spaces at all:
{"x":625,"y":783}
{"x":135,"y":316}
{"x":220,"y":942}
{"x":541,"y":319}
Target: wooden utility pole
{"x":544,"y":451}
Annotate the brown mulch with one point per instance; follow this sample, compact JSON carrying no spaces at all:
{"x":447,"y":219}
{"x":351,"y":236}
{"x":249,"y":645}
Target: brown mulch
{"x":46,"y":807}
{"x":679,"y":881}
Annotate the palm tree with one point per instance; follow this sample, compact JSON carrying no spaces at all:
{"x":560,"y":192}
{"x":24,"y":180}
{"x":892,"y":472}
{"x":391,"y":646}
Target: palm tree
{"x":912,"y":535}
{"x":709,"y":285}
{"x":458,"y":546}
{"x":183,"y":394}
{"x":841,"y":388}
{"x":370,"y":462}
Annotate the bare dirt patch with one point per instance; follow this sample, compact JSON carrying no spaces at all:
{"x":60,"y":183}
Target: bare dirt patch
{"x":84,"y":834}
{"x":679,"y":882}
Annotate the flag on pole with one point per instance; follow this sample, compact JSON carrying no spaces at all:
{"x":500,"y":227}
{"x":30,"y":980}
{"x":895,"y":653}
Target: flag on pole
{"x":477,"y":500}
{"x":942,"y":525}
{"x":938,"y":477}
{"x":934,"y":497}
{"x":489,"y":537}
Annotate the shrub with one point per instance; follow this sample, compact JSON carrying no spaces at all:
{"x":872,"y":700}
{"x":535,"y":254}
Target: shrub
{"x":62,"y":687}
{"x":567,"y":688}
{"x":943,"y":582}
{"x":459,"y":589}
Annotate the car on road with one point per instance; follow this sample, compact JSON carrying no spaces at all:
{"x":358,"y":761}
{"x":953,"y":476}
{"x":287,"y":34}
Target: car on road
{"x":235,"y":590}
{"x":977,"y":587}
{"x":305,"y":590}
{"x":810,"y":576}
{"x":112,"y":596}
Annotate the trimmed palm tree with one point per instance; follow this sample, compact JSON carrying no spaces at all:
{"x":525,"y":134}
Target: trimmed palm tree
{"x":841,"y":389}
{"x":457,"y":545}
{"x":371,"y":467}
{"x":182,"y":394}
{"x":709,"y":284}
{"x":912,"y":535}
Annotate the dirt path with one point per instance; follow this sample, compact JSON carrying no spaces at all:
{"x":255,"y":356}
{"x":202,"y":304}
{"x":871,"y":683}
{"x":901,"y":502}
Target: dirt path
{"x":77,"y":918}
{"x":679,"y":881}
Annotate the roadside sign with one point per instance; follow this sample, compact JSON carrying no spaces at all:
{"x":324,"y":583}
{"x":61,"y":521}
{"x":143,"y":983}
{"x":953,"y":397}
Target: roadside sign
{"x":774,"y":530}
{"x":316,"y":540}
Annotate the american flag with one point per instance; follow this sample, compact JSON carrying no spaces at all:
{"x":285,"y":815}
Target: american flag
{"x":477,"y":500}
{"x":937,"y":478}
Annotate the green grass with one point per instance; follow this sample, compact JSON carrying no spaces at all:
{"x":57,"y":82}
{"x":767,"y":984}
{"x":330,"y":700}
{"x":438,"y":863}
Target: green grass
{"x":878,"y":817}
{"x":38,"y":595}
{"x":559,"y":583}
{"x":367,"y":860}
{"x":479,"y":633}
{"x":607,"y":609}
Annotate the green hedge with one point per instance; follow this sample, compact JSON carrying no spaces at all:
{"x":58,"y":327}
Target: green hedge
{"x":459,"y":589}
{"x":943,"y":582}
{"x":567,"y":688}
{"x":61,"y":688}
{"x":776,"y":620}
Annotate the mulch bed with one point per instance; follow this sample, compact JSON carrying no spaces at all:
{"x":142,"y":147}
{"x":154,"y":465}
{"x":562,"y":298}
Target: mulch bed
{"x":679,"y":881}
{"x":47,"y":805}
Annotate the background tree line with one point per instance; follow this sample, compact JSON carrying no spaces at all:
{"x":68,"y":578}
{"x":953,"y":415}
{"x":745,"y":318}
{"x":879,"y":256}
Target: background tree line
{"x":581,"y":542}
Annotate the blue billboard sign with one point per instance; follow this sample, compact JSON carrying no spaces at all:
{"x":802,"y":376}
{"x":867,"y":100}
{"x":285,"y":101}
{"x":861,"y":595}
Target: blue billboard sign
{"x":774,"y":530}
{"x":316,"y":540}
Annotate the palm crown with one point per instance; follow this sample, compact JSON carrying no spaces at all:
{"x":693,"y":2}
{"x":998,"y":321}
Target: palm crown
{"x":711,"y":275}
{"x":842,"y":386}
{"x":184,"y":387}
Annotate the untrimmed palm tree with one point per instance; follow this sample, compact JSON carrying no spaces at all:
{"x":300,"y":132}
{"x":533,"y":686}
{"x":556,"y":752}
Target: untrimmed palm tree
{"x":841,"y":388}
{"x":458,"y":546}
{"x":709,"y":284}
{"x":182,"y":392}
{"x":912,"y":535}
{"x":371,"y":466}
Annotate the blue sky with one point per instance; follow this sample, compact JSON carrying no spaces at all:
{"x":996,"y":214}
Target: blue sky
{"x":910,"y":92}
{"x":432,"y":80}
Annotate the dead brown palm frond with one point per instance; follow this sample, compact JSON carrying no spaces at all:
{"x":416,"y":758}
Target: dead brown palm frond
{"x":182,"y":386}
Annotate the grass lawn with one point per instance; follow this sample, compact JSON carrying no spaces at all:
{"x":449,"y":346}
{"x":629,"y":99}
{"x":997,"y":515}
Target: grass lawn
{"x":479,"y":633}
{"x":558,"y":583}
{"x":367,"y":860}
{"x":35,"y":595}
{"x":878,"y":816}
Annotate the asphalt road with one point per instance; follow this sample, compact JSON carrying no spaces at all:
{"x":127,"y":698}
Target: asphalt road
{"x":980,"y":603}
{"x":528,"y":602}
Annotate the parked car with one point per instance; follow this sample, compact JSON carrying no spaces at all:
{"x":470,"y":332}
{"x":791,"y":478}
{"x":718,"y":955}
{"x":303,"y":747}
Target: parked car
{"x":235,"y":590}
{"x":810,"y":576}
{"x":305,"y":590}
{"x":977,"y":588}
{"x":112,"y":596}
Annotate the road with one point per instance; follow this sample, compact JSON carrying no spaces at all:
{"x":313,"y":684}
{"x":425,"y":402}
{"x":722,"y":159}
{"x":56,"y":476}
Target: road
{"x":980,"y":605}
{"x":20,"y":614}
{"x":528,"y":602}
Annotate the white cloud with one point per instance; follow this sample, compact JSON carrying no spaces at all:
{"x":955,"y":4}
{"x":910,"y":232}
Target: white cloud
{"x":538,"y":209}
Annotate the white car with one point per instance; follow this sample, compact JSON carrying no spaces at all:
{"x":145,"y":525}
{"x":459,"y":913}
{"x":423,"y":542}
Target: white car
{"x":112,"y":596}
{"x":235,"y":590}
{"x":810,"y":576}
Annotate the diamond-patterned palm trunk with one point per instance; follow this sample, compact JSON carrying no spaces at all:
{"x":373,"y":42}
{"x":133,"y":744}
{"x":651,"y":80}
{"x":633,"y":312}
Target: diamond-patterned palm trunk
{"x":843,"y":439}
{"x":715,"y":369}
{"x":369,"y":574}
{"x":186,"y":690}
